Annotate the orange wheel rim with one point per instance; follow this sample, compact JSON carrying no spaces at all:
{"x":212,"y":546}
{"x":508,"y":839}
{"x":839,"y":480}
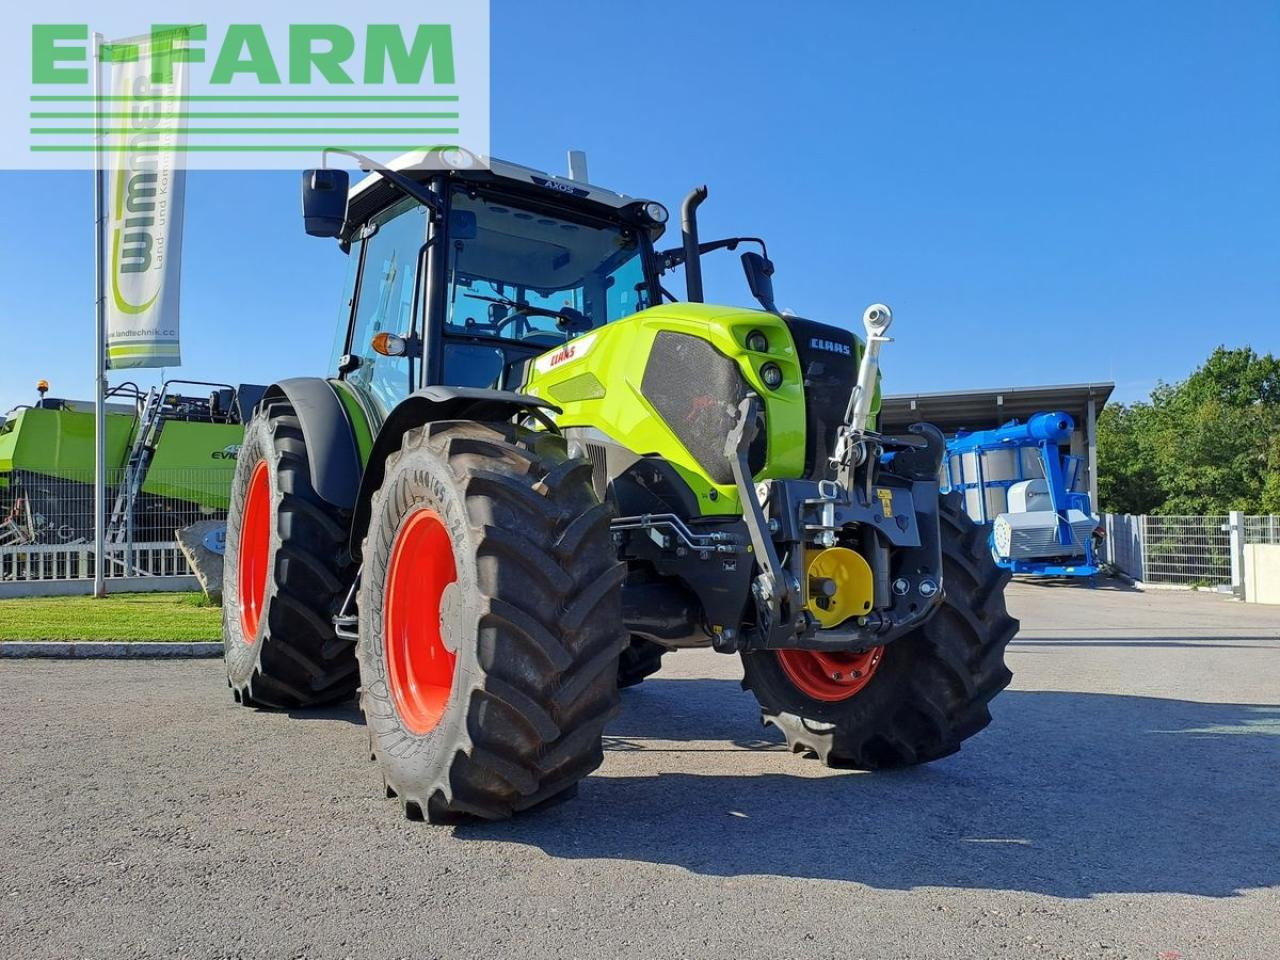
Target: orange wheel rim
{"x":830,"y":676}
{"x":419,"y":666}
{"x":255,"y":551}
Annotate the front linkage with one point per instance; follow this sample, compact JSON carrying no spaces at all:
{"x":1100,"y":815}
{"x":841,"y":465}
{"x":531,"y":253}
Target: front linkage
{"x":893,"y":505}
{"x":885,"y":494}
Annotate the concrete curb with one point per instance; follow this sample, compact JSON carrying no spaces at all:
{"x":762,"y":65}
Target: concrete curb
{"x":143,"y":650}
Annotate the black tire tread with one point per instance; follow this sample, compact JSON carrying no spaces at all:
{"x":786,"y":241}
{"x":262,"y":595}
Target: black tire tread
{"x":532,"y":721}
{"x":642,"y":658}
{"x":301,"y":662}
{"x":958,"y":668}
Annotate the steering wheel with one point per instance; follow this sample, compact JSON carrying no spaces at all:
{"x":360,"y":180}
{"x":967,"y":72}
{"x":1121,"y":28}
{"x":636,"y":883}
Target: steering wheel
{"x":516,"y":316}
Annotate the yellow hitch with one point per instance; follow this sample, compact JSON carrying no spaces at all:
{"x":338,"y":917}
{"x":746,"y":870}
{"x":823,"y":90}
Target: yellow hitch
{"x":839,"y":586}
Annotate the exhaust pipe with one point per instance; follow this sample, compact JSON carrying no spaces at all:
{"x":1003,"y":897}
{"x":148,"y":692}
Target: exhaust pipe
{"x":689,"y":230}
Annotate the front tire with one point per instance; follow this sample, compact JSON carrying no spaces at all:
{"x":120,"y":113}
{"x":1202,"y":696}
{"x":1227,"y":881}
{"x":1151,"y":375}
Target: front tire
{"x":916,"y":699}
{"x":285,"y":573}
{"x":490,"y":622}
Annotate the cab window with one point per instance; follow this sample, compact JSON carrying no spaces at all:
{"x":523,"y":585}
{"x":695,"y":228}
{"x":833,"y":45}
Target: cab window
{"x":384,"y":302}
{"x":510,"y":265}
{"x":348,"y":301}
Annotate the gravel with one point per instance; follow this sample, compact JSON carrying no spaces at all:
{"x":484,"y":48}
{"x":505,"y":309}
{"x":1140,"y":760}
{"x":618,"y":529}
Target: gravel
{"x":1124,"y":803}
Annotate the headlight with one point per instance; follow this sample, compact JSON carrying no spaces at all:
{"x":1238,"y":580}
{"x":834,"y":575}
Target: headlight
{"x":655,"y":211}
{"x":758,"y":342}
{"x":771,"y":374}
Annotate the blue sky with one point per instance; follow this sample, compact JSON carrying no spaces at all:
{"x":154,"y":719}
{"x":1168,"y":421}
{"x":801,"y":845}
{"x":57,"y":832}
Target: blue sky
{"x":1044,"y":192}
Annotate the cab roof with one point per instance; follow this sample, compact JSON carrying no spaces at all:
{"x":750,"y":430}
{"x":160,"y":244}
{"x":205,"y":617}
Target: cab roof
{"x":493,"y":168}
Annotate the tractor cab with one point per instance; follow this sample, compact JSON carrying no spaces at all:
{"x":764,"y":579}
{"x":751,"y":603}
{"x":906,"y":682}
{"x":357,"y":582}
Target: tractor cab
{"x":509,"y":263}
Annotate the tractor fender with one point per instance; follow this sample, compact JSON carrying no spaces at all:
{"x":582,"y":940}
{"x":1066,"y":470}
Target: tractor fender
{"x":331,"y":443}
{"x":427,"y":406}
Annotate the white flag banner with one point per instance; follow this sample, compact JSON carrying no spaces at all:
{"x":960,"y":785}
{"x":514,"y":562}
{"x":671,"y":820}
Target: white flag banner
{"x":143,"y":125}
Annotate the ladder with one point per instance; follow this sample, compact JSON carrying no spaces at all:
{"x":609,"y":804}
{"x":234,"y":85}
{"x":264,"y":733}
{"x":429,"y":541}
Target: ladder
{"x":150,"y":423}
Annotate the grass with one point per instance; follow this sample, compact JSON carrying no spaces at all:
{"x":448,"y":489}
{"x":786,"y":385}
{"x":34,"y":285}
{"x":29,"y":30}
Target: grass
{"x":125,"y":616}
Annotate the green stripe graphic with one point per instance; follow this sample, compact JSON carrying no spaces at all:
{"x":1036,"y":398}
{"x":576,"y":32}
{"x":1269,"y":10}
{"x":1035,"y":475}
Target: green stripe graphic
{"x":251,"y":115}
{"x":229,"y":147}
{"x":240,"y":109}
{"x":228,"y":98}
{"x":111,"y":131}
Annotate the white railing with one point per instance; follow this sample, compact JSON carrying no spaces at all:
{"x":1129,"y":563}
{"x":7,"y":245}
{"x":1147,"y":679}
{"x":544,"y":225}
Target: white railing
{"x":1186,"y":550}
{"x":32,"y":562}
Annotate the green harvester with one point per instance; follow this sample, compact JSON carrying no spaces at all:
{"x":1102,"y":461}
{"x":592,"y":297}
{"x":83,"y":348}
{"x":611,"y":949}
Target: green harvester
{"x":170,"y":457}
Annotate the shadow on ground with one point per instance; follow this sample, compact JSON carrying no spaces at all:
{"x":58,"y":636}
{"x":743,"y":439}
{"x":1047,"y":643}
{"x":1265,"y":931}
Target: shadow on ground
{"x":1066,"y":794}
{"x":1100,"y":582}
{"x":1206,"y":642}
{"x":346,"y":712}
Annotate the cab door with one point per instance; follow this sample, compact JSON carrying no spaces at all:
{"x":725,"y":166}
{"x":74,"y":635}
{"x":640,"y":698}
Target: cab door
{"x":385,"y":292}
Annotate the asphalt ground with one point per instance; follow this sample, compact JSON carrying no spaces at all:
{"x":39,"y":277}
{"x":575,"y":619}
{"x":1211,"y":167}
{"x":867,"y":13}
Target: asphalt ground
{"x":1124,"y":803}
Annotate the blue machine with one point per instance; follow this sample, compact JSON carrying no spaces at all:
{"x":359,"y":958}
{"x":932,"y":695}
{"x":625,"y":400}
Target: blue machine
{"x":1017,"y":480}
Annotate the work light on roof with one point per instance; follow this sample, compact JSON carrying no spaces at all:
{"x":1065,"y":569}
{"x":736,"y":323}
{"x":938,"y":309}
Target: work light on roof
{"x":655,"y":211}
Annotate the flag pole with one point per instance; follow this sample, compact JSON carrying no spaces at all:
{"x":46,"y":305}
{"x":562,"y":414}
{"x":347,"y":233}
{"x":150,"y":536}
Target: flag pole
{"x":100,"y":339}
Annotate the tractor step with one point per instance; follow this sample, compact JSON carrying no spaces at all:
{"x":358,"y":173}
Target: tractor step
{"x":347,"y":623}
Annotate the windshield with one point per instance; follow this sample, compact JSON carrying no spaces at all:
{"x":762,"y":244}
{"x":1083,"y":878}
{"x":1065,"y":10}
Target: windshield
{"x":509,"y":264}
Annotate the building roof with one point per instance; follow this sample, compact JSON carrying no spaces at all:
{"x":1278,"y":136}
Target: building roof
{"x":983,"y":409}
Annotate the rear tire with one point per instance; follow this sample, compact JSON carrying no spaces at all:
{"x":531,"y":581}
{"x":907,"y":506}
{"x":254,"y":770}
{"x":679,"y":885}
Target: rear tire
{"x":285,"y":573}
{"x":487,"y":677}
{"x":641,"y":659}
{"x":928,"y":691}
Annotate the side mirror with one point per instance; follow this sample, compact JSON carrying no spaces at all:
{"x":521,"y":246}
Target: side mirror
{"x":324,"y":201}
{"x":759,"y":271}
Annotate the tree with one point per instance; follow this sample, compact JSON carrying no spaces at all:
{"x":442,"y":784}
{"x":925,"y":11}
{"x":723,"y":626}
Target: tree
{"x":1127,"y":478}
{"x":1206,"y":445}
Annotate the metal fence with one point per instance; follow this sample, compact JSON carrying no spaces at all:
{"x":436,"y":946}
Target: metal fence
{"x":1185,"y":550}
{"x":46,"y":523}
{"x":1262,"y":529}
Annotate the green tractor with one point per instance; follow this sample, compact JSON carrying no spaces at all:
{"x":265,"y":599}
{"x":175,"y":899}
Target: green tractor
{"x":535,"y":471}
